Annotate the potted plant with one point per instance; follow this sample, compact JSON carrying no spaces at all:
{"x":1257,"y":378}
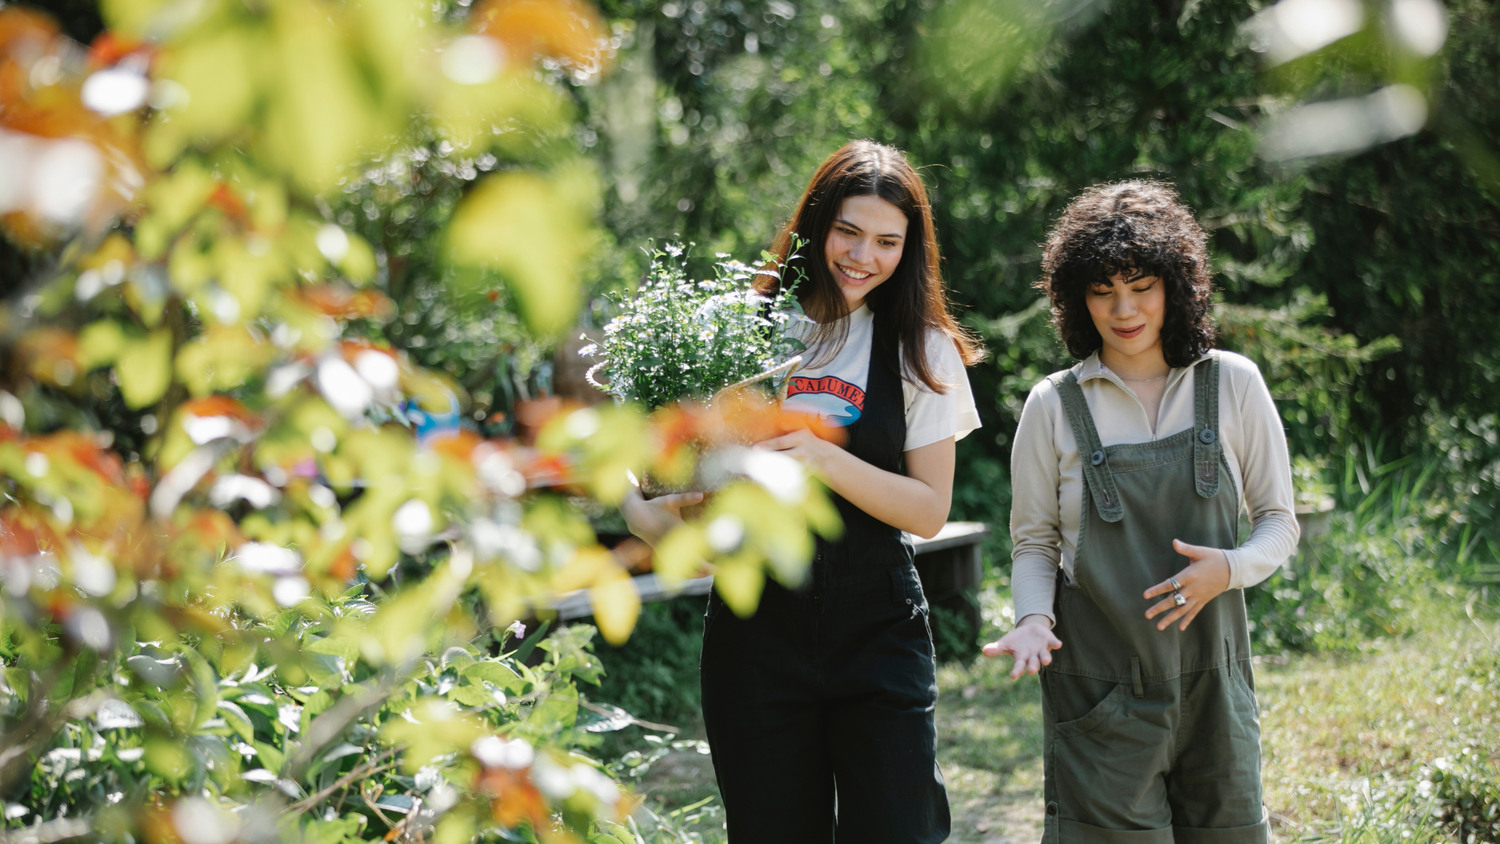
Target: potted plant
{"x":681,"y":341}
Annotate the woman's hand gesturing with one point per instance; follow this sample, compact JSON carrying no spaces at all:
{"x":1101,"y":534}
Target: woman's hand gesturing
{"x":1205,"y":578}
{"x":1031,"y":643}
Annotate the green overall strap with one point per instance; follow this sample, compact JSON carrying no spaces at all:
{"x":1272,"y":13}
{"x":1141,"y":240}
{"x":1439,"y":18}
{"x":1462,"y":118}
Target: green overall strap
{"x":1206,"y":446}
{"x":1101,"y":481}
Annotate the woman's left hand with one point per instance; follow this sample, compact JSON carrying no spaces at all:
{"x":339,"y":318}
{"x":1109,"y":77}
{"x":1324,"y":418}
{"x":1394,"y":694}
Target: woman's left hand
{"x":1205,"y":578}
{"x":805,"y":446}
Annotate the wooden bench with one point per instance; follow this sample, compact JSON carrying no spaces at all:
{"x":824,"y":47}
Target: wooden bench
{"x":948,"y":564}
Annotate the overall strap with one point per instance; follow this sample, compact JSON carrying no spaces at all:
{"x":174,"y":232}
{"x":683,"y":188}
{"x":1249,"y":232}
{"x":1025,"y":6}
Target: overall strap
{"x":1206,"y":446}
{"x":1101,"y":480}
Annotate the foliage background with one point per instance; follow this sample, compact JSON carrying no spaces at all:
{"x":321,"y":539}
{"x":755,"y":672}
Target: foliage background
{"x":718,"y":113}
{"x":1364,"y":283}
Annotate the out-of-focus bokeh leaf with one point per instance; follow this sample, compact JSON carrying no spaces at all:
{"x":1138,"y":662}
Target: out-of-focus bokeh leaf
{"x":144,"y":368}
{"x":616,"y":604}
{"x":532,"y":228}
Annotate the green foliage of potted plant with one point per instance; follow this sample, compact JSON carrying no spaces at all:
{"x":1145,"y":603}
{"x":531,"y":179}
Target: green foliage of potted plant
{"x":681,"y":341}
{"x":678,"y":338}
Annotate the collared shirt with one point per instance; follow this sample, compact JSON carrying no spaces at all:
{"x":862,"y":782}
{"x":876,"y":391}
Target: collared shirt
{"x":1047,"y":471}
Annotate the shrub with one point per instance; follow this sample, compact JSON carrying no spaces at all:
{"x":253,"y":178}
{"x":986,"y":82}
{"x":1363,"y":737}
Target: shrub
{"x":243,"y":591}
{"x":1397,"y":528}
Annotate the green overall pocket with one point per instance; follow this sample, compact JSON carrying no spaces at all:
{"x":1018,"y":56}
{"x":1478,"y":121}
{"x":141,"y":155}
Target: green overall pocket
{"x":1106,"y":764}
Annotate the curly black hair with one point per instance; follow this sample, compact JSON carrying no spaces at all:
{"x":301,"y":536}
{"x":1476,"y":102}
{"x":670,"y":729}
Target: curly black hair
{"x":1138,"y":228}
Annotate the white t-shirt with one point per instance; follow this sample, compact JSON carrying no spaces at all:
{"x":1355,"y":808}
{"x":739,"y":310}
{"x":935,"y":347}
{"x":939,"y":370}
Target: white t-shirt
{"x":835,"y":390}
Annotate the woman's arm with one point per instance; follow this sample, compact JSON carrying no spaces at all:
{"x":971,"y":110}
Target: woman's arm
{"x":917,"y":502}
{"x":1036,"y":536}
{"x":1036,"y":531}
{"x":1266,"y":474}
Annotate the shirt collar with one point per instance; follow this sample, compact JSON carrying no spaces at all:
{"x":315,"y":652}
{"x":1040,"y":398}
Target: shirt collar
{"x":1091,"y":367}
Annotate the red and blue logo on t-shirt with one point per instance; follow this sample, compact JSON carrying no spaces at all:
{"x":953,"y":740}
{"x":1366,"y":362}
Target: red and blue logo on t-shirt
{"x":835,"y":400}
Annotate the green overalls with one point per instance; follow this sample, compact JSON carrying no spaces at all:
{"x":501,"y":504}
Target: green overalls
{"x":1151,"y":736}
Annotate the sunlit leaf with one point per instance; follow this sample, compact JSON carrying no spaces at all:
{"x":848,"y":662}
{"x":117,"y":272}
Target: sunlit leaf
{"x":320,"y":113}
{"x":145,"y":368}
{"x":739,"y":582}
{"x":534,"y":229}
{"x":359,"y":261}
{"x":172,"y":200}
{"x":168,"y":759}
{"x":454,"y":828}
{"x":189,"y":266}
{"x":246,"y":275}
{"x":223,"y":358}
{"x":465,"y":113}
{"x":558,"y":709}
{"x":221,"y":72}
{"x":616,"y":604}
{"x":566,"y":29}
{"x":435,"y":727}
{"x":100,"y":343}
{"x":681,"y":554}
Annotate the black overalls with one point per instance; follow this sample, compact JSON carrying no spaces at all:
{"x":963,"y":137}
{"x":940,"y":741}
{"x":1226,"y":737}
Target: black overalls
{"x":819,"y":708}
{"x":1150,"y":736}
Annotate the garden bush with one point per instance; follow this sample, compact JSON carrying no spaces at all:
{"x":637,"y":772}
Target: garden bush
{"x":256,"y":571}
{"x":1395,"y":547}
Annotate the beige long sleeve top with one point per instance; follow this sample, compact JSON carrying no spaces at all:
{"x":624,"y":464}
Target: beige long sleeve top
{"x":1047,"y":471}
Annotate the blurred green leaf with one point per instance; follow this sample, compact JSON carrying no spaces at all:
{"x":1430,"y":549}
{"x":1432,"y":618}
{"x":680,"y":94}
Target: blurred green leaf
{"x":533,"y":229}
{"x":145,"y":368}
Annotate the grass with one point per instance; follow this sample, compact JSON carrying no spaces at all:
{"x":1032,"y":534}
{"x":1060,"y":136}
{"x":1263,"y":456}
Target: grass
{"x":1398,"y":742}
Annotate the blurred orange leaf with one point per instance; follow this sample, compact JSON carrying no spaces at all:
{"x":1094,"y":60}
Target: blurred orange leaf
{"x":19,"y":534}
{"x":50,"y":354}
{"x":516,"y":798}
{"x":83,"y":449}
{"x":564,"y":29}
{"x":343,"y":303}
{"x":109,"y":47}
{"x":209,"y":406}
{"x":460,"y":445}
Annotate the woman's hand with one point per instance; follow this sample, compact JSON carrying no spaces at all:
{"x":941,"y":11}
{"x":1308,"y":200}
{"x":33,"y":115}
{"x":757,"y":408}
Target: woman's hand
{"x":1205,"y":578}
{"x":806,"y":447}
{"x":1031,"y":643}
{"x":651,"y":520}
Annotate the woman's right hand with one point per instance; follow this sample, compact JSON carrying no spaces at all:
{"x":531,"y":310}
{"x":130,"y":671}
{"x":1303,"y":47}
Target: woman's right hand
{"x":651,"y":520}
{"x":1031,"y":643}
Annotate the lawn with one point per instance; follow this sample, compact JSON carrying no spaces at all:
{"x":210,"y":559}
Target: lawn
{"x":1391,"y":743}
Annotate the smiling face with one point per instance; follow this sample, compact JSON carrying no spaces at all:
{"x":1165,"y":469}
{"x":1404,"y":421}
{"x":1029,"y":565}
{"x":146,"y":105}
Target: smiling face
{"x":864,"y":246}
{"x":1129,"y":315}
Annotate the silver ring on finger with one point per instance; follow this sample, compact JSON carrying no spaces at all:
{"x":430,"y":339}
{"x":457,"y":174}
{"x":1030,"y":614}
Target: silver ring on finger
{"x":1175,"y":585}
{"x":1178,"y":599}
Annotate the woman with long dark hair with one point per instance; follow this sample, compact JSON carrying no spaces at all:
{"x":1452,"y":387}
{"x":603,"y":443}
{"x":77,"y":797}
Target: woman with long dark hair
{"x":819,"y":707}
{"x":1129,"y":473}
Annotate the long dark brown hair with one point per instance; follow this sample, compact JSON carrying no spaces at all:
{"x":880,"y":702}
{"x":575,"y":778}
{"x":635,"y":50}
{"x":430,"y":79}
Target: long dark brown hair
{"x":1138,"y":228}
{"x":911,"y":302}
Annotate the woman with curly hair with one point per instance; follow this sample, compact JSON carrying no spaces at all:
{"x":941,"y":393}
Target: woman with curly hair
{"x":1130,"y":472}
